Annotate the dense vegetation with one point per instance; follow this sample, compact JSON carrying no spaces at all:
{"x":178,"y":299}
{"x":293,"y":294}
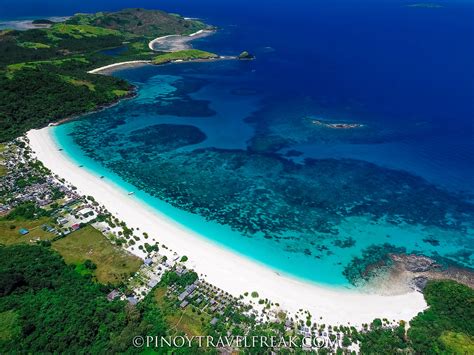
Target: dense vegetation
{"x":141,"y":22}
{"x":184,"y":55}
{"x":446,"y":327}
{"x":46,"y":306}
{"x":43,"y":72}
{"x":33,"y":96}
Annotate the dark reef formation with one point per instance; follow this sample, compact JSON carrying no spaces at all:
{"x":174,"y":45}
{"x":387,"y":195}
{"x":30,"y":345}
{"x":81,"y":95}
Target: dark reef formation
{"x":263,"y":193}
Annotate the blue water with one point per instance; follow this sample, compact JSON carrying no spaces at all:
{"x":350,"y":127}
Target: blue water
{"x":405,"y":73}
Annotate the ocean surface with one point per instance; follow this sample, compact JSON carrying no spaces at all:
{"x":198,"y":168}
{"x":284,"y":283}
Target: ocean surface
{"x":244,"y":152}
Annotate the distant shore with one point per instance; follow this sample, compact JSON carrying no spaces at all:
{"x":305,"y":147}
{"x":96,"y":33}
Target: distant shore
{"x":111,"y":67}
{"x":230,"y":271}
{"x":172,"y":43}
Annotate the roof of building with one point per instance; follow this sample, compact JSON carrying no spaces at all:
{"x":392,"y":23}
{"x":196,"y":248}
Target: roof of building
{"x":153,"y":283}
{"x":132,"y":300}
{"x":113,"y":295}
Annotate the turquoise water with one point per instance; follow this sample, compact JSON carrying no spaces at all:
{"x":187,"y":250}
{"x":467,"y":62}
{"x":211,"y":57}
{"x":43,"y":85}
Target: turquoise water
{"x":202,"y":145}
{"x":230,"y":149}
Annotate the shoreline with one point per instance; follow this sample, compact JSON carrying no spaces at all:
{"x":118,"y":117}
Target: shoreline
{"x":115,"y":66}
{"x":109,"y":69}
{"x":222,"y":267}
{"x":179,"y":42}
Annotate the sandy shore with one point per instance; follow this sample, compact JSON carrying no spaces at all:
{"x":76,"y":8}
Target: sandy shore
{"x":223,"y":268}
{"x":172,"y":43}
{"x":108,"y":68}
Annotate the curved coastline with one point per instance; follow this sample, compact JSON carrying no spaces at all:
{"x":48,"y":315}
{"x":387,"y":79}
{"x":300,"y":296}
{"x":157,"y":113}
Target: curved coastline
{"x":226,"y":269}
{"x":115,"y":66}
{"x":178,"y":42}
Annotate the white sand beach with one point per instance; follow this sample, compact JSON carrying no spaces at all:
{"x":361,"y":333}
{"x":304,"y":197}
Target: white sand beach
{"x":223,"y":268}
{"x":107,"y":68}
{"x":172,"y":43}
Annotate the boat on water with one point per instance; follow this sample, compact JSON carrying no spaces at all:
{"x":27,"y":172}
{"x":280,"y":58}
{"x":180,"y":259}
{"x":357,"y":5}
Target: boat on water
{"x":131,"y":193}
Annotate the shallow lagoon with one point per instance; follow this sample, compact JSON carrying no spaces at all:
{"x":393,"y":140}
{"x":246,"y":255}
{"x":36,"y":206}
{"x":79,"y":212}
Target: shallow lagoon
{"x":229,"y":148}
{"x":200,"y":146}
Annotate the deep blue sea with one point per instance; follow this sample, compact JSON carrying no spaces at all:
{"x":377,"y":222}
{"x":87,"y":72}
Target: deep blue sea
{"x":241,"y":151}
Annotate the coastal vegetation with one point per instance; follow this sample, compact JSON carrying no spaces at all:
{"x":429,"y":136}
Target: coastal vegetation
{"x":184,"y":55}
{"x":444,"y":328}
{"x":43,"y":71}
{"x":49,"y":306}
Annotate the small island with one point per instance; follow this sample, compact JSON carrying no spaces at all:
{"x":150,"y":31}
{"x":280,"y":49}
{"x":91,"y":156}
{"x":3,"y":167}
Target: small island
{"x":246,"y":56}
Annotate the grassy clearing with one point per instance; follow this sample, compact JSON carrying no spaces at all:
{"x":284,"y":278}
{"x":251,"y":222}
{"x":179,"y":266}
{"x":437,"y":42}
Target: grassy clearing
{"x":9,"y":327}
{"x":120,"y":93}
{"x":34,"y":45}
{"x":458,"y":343}
{"x":188,"y":322}
{"x":114,"y":265}
{"x":180,"y":320}
{"x":189,"y":54}
{"x":77,"y":82}
{"x":79,"y":31}
{"x":12,"y":68}
{"x":9,"y":231}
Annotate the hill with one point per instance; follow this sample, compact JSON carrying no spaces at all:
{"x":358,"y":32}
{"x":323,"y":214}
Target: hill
{"x":141,"y":22}
{"x":43,"y":72}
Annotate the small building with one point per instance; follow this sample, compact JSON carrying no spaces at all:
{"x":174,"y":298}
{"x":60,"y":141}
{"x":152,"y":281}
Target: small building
{"x":132,"y":300}
{"x":85,"y":211}
{"x":213,"y":321}
{"x":183,"y":295}
{"x":184,"y":304}
{"x":24,"y":231}
{"x":113,"y":295}
{"x":148,"y":261}
{"x":152,"y":283}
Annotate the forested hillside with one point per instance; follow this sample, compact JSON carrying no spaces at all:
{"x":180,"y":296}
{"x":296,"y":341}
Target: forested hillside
{"x":43,"y":72}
